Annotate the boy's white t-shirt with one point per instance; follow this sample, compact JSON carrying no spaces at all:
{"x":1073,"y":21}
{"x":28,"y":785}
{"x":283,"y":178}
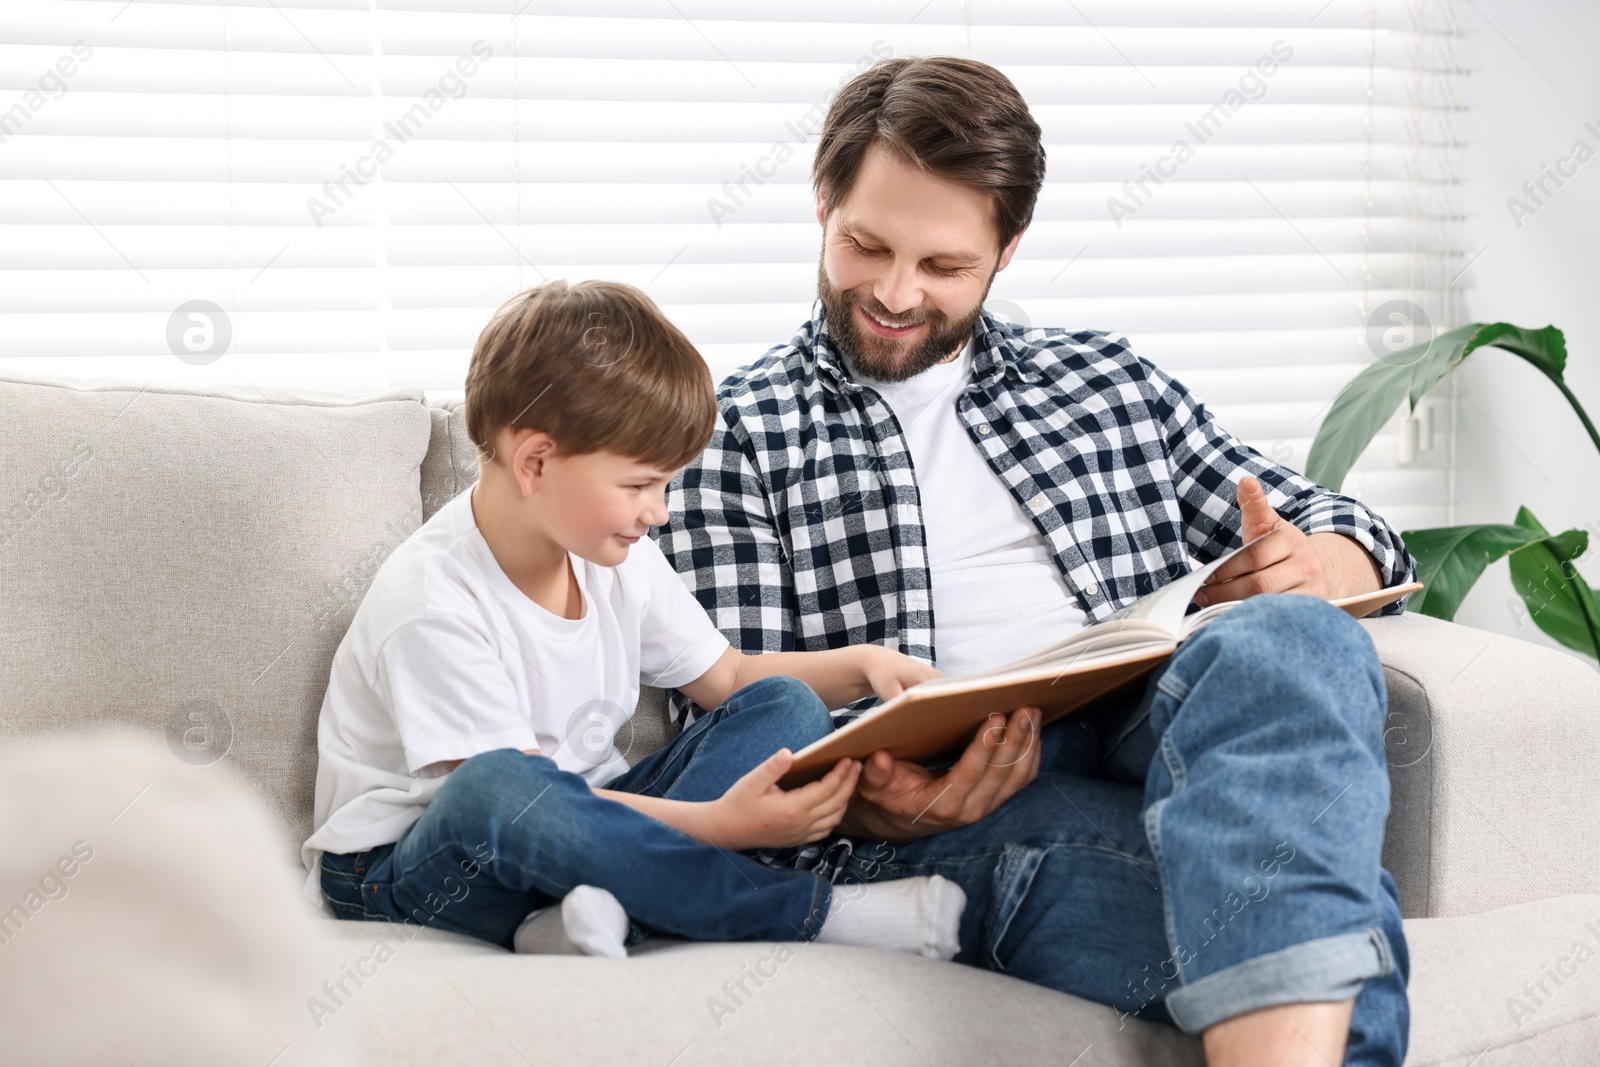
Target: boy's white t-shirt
{"x":446,"y":658}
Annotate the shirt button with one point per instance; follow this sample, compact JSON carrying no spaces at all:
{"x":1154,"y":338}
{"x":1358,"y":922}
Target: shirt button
{"x":1091,"y":590}
{"x":983,"y":429}
{"x":1037,"y":501}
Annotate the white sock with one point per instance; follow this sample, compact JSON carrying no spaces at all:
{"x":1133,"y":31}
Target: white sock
{"x":921,"y":915}
{"x":588,"y":922}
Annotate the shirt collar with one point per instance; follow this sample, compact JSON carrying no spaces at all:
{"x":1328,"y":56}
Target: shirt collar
{"x":997,"y":351}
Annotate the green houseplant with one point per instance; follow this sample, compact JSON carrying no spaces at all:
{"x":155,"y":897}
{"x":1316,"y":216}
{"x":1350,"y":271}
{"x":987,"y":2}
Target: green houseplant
{"x":1450,"y":559}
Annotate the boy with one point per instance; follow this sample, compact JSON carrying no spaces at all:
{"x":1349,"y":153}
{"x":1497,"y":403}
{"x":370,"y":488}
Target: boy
{"x":469,"y":775}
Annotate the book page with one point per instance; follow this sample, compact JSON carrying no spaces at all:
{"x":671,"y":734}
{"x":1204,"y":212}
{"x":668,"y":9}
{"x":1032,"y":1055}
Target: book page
{"x":934,"y":719}
{"x":1104,"y":641}
{"x":1166,"y":606}
{"x":1161,"y":618}
{"x":1358,"y":605}
{"x":1191,"y":623}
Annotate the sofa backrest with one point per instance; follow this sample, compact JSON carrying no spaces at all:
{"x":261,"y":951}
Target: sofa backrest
{"x":186,"y":559}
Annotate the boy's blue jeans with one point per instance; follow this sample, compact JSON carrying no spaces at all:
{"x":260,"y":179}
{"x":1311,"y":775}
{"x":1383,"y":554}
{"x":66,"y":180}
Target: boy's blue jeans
{"x":1209,"y":848}
{"x":508,"y":833}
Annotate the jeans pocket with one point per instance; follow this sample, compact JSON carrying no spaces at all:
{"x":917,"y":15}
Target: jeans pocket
{"x":341,"y":910}
{"x":342,"y":885}
{"x":1013,"y":876}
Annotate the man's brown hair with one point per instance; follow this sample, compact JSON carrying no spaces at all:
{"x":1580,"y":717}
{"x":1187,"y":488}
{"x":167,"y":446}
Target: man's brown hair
{"x":961,"y":119}
{"x":597,"y":366}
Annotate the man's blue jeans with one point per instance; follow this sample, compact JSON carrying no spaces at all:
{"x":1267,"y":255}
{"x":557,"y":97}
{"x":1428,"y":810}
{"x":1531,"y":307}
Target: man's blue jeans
{"x":1209,"y":849}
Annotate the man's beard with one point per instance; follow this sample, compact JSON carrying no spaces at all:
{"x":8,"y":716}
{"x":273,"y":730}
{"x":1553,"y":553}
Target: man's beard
{"x":882,"y":358}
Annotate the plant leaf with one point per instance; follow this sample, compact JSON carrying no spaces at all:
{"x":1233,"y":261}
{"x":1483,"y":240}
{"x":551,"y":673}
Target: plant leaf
{"x":1545,"y":349}
{"x":1450,"y":559}
{"x":1368,"y":399}
{"x":1559,"y":601}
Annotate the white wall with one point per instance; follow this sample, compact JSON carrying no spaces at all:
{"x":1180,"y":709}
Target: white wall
{"x":1536,"y":83}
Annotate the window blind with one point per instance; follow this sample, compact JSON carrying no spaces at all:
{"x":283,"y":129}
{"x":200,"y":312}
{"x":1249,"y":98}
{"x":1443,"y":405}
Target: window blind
{"x":337,"y":193}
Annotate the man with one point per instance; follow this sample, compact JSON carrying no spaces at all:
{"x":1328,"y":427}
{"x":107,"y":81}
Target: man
{"x":1206,"y":853}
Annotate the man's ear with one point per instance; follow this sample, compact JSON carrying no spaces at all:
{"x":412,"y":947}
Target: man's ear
{"x":1010,"y":250}
{"x":822,"y":208}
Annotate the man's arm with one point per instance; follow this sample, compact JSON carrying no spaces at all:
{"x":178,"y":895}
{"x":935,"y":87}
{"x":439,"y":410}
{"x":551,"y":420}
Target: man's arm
{"x":1210,"y":466}
{"x":721,"y":539}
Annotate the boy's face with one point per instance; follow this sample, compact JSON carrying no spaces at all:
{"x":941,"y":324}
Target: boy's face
{"x":599,"y":503}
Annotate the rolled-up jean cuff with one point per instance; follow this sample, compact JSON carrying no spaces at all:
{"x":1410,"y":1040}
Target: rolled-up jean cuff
{"x":1327,"y":969}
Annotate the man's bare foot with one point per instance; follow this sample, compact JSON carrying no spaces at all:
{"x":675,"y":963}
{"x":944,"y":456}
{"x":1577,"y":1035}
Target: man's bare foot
{"x":1287,"y":1035}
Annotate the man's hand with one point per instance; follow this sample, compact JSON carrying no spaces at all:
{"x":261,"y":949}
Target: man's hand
{"x":897,"y":801}
{"x":1285,"y":560}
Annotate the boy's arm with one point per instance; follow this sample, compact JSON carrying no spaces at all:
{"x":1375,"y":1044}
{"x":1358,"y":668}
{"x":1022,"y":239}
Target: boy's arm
{"x":753,"y":813}
{"x":838,"y":675}
{"x":698,"y":819}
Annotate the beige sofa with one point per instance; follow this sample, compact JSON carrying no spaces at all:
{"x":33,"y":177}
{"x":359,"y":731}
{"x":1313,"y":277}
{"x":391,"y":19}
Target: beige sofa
{"x":185,"y":560}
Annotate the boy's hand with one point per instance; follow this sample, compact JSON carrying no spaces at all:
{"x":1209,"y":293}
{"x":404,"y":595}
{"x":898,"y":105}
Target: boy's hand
{"x":755,"y":813}
{"x":890,"y":673}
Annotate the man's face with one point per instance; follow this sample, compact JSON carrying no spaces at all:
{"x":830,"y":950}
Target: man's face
{"x":907,"y":259}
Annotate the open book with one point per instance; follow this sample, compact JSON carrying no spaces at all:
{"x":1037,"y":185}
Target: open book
{"x":1109,"y":660}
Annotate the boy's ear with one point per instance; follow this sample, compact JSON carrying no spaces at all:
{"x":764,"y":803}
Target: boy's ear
{"x":528,"y":450}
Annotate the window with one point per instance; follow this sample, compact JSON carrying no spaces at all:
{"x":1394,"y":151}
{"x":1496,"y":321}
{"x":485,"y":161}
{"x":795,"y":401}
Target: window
{"x":356,"y":184}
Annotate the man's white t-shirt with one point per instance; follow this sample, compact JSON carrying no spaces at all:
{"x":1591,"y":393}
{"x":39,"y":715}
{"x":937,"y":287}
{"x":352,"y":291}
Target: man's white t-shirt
{"x":446,"y":658}
{"x":997,"y":595}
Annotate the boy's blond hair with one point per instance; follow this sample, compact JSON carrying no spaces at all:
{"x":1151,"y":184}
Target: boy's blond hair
{"x":597,"y":366}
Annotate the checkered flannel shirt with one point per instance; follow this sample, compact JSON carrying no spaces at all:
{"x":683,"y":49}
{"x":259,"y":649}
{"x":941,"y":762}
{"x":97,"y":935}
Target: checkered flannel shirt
{"x":800,"y":526}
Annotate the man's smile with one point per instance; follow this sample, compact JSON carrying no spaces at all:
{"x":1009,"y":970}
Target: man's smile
{"x":886,"y":327}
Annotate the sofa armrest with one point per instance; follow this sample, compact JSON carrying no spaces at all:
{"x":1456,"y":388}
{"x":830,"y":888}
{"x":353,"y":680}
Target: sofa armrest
{"x":1494,"y":767}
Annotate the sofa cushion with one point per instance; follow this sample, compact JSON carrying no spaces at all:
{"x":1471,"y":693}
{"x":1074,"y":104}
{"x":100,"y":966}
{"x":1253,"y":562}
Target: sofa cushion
{"x":1516,"y":985}
{"x":187,"y":559}
{"x":144,"y":918}
{"x":448,"y":998}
